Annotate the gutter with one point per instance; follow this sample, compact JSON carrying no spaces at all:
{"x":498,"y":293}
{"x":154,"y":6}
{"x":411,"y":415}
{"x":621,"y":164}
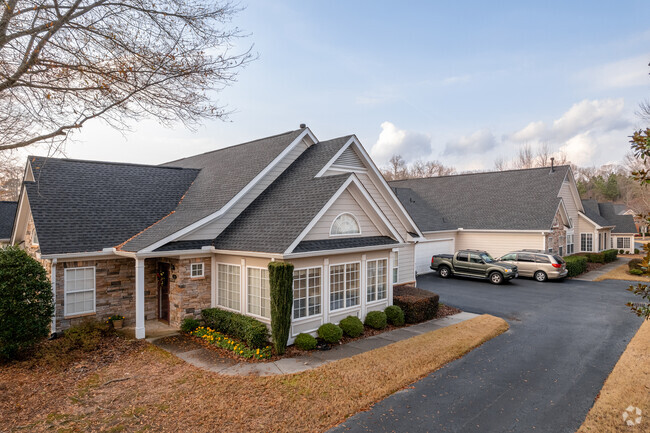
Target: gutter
{"x":344,"y":251}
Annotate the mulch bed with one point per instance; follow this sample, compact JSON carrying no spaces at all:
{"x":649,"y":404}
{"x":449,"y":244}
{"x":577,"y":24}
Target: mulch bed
{"x":189,"y":342}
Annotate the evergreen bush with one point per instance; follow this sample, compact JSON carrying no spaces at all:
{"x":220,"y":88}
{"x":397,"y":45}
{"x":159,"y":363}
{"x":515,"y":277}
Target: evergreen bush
{"x":330,"y":333}
{"x":247,"y":329}
{"x":352,"y":326}
{"x":305,"y":342}
{"x":395,"y":315}
{"x":376,"y":319}
{"x":281,"y":282}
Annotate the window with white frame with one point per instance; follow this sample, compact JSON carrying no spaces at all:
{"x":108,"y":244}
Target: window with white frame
{"x":344,"y":285}
{"x":377,"y":279}
{"x":259,"y":292}
{"x":395,"y":267}
{"x":228,"y":286}
{"x":569,"y":243}
{"x":586,"y":241}
{"x":196,"y":270}
{"x":306,"y":292}
{"x":622,"y":243}
{"x":345,"y":224}
{"x":79,"y":286}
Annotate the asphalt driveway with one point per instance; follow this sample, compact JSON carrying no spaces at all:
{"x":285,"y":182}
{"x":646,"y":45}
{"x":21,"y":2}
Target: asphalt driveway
{"x":541,"y":376}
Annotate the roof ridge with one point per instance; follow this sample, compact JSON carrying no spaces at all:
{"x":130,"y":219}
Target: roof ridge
{"x":93,"y":161}
{"x":479,"y":172}
{"x":232,"y":146}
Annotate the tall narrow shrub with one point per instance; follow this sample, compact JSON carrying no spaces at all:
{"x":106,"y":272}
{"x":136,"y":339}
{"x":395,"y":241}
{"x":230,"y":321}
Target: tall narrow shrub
{"x":26,"y":305}
{"x":281,"y":282}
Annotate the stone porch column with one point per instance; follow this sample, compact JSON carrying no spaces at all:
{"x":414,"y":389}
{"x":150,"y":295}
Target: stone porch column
{"x":139,"y":298}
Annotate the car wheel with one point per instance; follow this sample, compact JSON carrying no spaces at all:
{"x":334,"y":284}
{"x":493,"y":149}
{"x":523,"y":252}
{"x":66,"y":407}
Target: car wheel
{"x":444,"y":272}
{"x":541,"y":276}
{"x":496,"y":278}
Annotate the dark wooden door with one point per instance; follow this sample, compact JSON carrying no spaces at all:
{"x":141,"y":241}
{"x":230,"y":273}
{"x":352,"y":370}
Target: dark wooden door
{"x":163,"y":291}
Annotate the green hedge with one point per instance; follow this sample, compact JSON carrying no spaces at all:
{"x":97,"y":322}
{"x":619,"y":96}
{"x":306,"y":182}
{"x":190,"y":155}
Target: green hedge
{"x":610,"y":255}
{"x":376,"y":319}
{"x":189,"y":324}
{"x":252,"y":332}
{"x":395,"y":315}
{"x":351,"y":326}
{"x":305,"y":342}
{"x":635,"y":264}
{"x":418,"y":305}
{"x":330,"y":333}
{"x":576,"y":265}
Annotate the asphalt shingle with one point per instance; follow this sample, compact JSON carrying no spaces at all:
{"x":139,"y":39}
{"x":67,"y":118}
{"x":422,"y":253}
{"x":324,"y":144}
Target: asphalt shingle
{"x":504,"y":200}
{"x":337,"y":244}
{"x":606,"y":214}
{"x":7,"y":215}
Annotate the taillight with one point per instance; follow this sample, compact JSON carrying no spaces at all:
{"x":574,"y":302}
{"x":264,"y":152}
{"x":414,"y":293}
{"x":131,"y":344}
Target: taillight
{"x":556,"y":265}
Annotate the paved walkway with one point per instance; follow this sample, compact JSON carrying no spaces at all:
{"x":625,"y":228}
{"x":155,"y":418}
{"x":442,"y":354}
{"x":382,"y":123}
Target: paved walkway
{"x":199,"y":356}
{"x":591,"y":276}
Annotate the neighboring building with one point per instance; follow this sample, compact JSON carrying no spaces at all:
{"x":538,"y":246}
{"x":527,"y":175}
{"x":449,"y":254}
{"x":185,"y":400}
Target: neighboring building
{"x":7,"y":214}
{"x":624,"y":228}
{"x":164,"y":242}
{"x":503,"y":211}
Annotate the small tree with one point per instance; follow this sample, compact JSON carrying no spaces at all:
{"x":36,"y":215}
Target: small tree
{"x":26,"y":306}
{"x":281,"y":282}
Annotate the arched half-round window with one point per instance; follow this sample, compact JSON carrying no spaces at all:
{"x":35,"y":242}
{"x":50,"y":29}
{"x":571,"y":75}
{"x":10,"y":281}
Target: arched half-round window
{"x":345,"y":224}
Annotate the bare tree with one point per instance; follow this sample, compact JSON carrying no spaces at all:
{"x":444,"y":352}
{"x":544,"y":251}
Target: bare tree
{"x":398,"y":169}
{"x":543,"y":157}
{"x":436,"y":168}
{"x":11,"y":176}
{"x":500,"y":164}
{"x":64,"y":62}
{"x":525,"y":157}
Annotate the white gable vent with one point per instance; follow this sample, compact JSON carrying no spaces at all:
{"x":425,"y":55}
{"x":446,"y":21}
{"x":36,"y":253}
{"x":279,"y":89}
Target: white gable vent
{"x":349,"y":158}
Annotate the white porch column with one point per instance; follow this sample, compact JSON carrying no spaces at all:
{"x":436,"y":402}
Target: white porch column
{"x":139,"y":298}
{"x":53,"y":277}
{"x":363,"y":281}
{"x":325,"y":281}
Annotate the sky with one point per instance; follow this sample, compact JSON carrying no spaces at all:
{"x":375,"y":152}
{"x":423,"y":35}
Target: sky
{"x":464,"y":83}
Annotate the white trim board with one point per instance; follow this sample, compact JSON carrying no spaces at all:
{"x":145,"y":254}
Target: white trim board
{"x":306,"y":133}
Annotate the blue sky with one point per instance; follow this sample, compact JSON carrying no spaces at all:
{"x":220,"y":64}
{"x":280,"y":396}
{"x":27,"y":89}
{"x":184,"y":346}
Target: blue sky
{"x":464,"y":82}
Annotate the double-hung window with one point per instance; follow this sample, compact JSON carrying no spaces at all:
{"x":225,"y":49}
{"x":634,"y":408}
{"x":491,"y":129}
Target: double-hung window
{"x":259,"y":292}
{"x":306,"y":292}
{"x":196,"y":270}
{"x":228,"y":286}
{"x":586,"y":241}
{"x":622,"y":243}
{"x":79,"y":291}
{"x":569,"y":244}
{"x":344,"y":285}
{"x":395,"y":267}
{"x":377,"y":279}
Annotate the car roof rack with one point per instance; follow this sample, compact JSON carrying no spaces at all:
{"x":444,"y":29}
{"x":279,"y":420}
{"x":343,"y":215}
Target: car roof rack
{"x":533,"y":251}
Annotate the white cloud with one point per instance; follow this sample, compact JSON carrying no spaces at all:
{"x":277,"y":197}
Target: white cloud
{"x":532,"y":131}
{"x":394,"y":141}
{"x":479,"y":142}
{"x":630,"y":72}
{"x":580,"y":149}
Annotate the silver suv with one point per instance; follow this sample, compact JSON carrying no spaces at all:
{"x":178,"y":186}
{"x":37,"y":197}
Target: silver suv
{"x":537,"y":264}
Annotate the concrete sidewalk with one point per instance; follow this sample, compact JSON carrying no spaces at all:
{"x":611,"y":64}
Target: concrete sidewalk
{"x":591,"y":276}
{"x":199,"y":356}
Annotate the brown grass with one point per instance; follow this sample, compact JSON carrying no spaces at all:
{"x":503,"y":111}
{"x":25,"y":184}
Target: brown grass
{"x":621,"y":273}
{"x":627,"y":385}
{"x":162,"y":393}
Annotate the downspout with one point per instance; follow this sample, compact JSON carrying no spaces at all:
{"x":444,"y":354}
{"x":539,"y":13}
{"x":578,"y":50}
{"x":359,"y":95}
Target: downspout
{"x":53,"y":277}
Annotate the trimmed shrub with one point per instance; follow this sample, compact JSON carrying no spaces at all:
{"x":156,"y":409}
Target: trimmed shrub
{"x":252,"y":332}
{"x":610,"y":255}
{"x":376,"y":319}
{"x":189,"y":324}
{"x":352,"y":326}
{"x":576,"y":265}
{"x":305,"y":342}
{"x":621,"y":251}
{"x":636,"y":251}
{"x":418,"y":305}
{"x":635,"y":264}
{"x":26,"y":305}
{"x":636,"y":272}
{"x":330,"y":333}
{"x":281,"y":282}
{"x":395,"y":315}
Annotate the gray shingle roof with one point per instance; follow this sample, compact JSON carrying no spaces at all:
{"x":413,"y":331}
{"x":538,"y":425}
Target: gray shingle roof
{"x":224,"y":173}
{"x":337,"y":244}
{"x":505,"y":200}
{"x":606,"y":214}
{"x":83,"y":206}
{"x":7,"y":215}
{"x":426,"y":217}
{"x":186,"y":245}
{"x":276,"y":218}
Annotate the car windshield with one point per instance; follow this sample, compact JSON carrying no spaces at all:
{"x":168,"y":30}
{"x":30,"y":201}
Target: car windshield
{"x":487,"y":258}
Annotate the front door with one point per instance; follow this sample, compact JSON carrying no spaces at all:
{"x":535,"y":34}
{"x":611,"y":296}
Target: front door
{"x":163,"y":291}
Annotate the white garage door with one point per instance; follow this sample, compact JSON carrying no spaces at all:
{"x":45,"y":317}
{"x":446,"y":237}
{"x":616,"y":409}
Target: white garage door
{"x":424,"y":251}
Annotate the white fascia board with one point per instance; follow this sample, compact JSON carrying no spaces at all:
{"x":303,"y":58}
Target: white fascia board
{"x":343,"y":251}
{"x":306,"y":133}
{"x":83,"y":256}
{"x":351,"y":180}
{"x":574,"y":189}
{"x":564,"y":212}
{"x":503,"y":231}
{"x":598,"y":226}
{"x":207,"y":252}
{"x":441,"y":231}
{"x":375,"y":170}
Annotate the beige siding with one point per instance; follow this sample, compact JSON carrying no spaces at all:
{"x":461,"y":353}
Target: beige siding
{"x":569,"y":202}
{"x":344,"y":204}
{"x":499,"y":243}
{"x":585,"y":226}
{"x":406,"y":272}
{"x":212,"y":229}
{"x":382,"y":204}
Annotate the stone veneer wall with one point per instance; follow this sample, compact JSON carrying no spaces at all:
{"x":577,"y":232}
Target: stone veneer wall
{"x":189,"y":296}
{"x":114,"y":291}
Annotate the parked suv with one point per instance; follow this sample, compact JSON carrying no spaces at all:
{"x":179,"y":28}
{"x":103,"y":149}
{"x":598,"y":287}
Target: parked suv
{"x":537,"y":264}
